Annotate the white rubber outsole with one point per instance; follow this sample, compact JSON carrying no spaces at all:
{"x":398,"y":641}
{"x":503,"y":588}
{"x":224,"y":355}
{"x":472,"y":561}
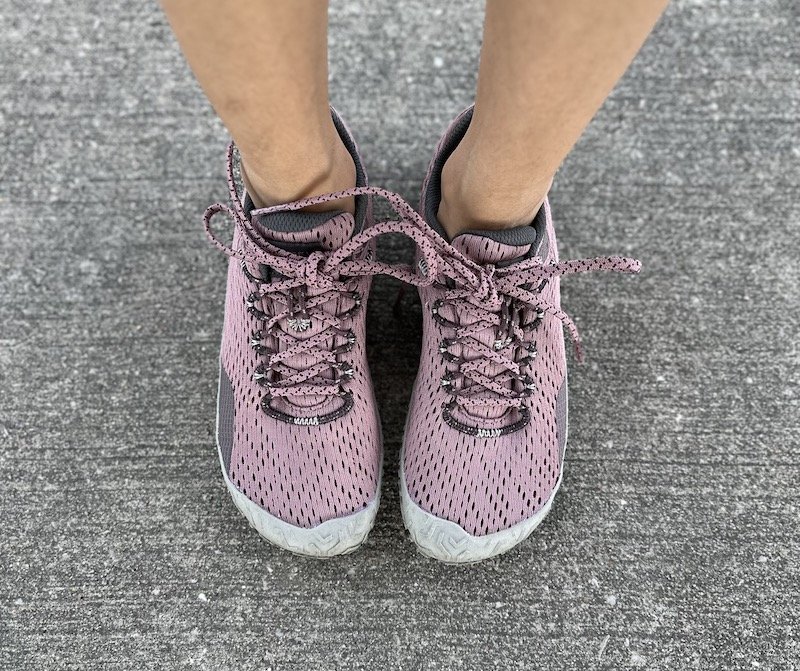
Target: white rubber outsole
{"x":446,"y":541}
{"x":332,"y":538}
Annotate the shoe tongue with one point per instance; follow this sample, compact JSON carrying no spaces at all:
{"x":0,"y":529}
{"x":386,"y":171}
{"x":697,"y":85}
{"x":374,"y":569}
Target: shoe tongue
{"x":303,"y":233}
{"x":306,"y":232}
{"x":504,"y":246}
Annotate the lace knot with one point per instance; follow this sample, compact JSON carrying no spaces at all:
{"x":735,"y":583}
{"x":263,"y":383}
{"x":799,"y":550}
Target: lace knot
{"x":486,"y":291}
{"x":313,"y":272}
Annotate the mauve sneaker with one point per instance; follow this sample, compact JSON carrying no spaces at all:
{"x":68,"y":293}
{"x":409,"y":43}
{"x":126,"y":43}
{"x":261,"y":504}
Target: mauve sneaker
{"x":297,"y":428}
{"x":298,"y":433}
{"x":487,"y":426}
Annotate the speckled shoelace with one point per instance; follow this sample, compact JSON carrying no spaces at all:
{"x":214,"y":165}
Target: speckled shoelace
{"x":507,"y":300}
{"x":298,"y":286}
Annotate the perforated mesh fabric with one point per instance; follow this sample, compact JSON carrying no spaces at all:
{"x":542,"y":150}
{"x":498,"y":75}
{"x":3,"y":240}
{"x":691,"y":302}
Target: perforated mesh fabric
{"x":330,"y":234}
{"x":304,"y":475}
{"x":489,"y":250}
{"x":485,"y":484}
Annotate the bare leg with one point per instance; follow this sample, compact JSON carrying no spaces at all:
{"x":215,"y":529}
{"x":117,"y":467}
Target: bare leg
{"x":264,"y":67}
{"x":545,"y":69}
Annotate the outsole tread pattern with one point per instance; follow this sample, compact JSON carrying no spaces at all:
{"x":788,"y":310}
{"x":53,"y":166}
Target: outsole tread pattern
{"x":447,"y":542}
{"x":330,"y":539}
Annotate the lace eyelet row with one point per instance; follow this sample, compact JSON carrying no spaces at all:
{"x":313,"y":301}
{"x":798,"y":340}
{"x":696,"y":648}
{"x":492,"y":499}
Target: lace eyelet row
{"x":264,"y":372}
{"x":447,"y":381}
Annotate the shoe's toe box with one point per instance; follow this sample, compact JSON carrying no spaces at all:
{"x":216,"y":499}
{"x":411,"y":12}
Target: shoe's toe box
{"x":310,"y":488}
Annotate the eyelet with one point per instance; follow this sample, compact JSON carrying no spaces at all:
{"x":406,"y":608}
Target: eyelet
{"x":255,"y":279}
{"x":262,"y":375}
{"x":529,"y":385}
{"x":346,"y":371}
{"x":256,"y":342}
{"x":501,"y":343}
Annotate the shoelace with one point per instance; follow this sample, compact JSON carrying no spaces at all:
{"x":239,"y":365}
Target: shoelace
{"x":508,"y":300}
{"x":304,"y":284}
{"x":497,"y":298}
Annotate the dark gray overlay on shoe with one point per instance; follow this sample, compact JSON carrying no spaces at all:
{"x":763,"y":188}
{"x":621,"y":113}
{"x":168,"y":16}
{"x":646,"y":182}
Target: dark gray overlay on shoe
{"x":561,"y":419}
{"x":290,"y":222}
{"x":225,"y":414}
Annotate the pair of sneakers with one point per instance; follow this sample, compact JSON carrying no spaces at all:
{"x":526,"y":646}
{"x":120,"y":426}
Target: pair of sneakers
{"x":298,"y":431}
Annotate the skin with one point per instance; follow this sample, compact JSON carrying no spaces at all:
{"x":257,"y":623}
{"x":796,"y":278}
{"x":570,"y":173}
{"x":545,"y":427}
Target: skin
{"x":546,"y":67}
{"x":264,"y":67}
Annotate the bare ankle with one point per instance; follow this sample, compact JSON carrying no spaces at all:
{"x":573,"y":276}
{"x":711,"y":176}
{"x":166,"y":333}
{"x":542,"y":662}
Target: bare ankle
{"x":481,"y":193}
{"x":287,"y":176}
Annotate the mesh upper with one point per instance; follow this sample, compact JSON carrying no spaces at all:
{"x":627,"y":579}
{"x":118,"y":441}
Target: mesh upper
{"x":485,"y":485}
{"x":303,"y":475}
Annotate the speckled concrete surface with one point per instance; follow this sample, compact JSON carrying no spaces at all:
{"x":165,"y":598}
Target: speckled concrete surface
{"x":675,"y":541}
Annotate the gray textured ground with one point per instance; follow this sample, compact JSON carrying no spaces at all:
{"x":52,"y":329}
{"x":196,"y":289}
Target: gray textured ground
{"x":674,"y":543}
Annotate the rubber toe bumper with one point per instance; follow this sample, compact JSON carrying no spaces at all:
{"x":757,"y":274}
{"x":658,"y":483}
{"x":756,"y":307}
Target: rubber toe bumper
{"x":331,"y":538}
{"x":446,"y":541}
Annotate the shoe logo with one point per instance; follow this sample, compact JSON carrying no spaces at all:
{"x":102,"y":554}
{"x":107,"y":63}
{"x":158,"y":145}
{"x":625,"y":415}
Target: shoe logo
{"x":501,"y":343}
{"x":306,"y":421}
{"x":299,"y":323}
